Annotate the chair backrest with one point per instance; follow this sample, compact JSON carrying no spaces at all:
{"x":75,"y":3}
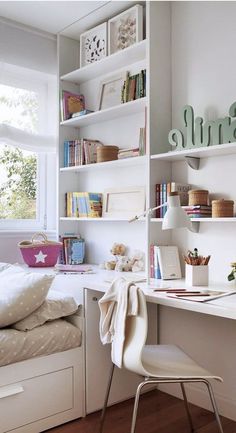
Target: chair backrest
{"x":135,"y":337}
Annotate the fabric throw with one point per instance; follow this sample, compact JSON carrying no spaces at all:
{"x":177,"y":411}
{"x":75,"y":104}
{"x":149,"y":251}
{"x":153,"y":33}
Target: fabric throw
{"x":21,"y":293}
{"x":120,"y":300}
{"x":56,"y":305}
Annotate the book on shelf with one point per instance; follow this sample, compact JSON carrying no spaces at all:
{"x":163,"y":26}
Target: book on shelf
{"x":80,"y":152}
{"x":134,"y":87}
{"x":128,"y":153}
{"x":154,"y":263}
{"x":83,"y":204}
{"x":81,"y":113}
{"x":73,"y":249}
{"x":161,"y":193}
{"x":73,"y":268}
{"x":198,"y":211}
{"x":71,"y":103}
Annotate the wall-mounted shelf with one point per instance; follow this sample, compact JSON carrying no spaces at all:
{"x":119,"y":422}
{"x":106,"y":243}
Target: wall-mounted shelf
{"x":112,"y":63}
{"x":98,"y":219}
{"x":199,"y":152}
{"x":121,"y":110}
{"x":118,"y":163}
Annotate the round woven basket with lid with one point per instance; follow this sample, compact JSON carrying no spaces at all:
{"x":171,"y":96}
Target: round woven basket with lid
{"x":107,"y":153}
{"x":222,"y":208}
{"x":198,"y":197}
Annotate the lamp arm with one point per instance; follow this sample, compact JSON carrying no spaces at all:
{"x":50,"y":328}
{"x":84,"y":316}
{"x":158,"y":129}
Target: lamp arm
{"x":147,"y":212}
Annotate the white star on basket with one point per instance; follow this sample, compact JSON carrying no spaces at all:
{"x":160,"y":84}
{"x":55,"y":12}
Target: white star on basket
{"x":40,"y":257}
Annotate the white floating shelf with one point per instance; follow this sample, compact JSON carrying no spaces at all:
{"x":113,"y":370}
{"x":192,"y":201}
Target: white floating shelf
{"x":121,"y":59}
{"x":98,"y":219}
{"x":203,"y":220}
{"x":199,"y":152}
{"x":118,"y":163}
{"x":121,"y":110}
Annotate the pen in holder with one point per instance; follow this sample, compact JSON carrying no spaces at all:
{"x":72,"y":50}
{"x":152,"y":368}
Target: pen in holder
{"x":196,"y":269}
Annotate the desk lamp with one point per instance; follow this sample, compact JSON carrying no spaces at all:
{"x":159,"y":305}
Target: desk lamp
{"x":175,"y":216}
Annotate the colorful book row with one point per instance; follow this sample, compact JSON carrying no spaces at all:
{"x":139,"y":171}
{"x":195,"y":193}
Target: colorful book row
{"x":83,"y":204}
{"x":162,"y":191}
{"x":80,"y":152}
{"x":73,"y":250}
{"x":134,"y":87}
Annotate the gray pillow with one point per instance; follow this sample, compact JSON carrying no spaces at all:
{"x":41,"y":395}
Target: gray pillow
{"x":56,"y":305}
{"x":21,"y":292}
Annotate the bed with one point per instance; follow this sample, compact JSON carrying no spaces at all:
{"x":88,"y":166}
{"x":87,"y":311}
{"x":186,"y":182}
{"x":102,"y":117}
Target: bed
{"x":41,"y":371}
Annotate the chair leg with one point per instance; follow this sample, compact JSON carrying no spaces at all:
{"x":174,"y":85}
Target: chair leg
{"x":214,"y":405}
{"x":135,"y":410}
{"x":102,"y":419}
{"x":187,"y":407}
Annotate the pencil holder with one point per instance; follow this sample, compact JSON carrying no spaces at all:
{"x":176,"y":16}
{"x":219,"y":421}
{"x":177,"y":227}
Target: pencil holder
{"x":196,"y":275}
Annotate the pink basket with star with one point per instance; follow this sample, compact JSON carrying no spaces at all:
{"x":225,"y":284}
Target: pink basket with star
{"x":40,"y":253}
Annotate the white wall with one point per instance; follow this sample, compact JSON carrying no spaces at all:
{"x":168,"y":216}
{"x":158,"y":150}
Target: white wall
{"x":203,"y":75}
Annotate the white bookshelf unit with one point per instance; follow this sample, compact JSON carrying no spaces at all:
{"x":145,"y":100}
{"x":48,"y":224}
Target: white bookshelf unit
{"x":171,"y":84}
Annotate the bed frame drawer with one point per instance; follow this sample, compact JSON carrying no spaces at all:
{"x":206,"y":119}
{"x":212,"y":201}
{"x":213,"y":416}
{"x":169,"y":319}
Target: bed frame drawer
{"x":40,"y":393}
{"x":45,"y":396}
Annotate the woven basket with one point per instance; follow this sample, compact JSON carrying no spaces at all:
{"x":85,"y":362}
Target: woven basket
{"x":107,"y":153}
{"x":198,"y":197}
{"x":222,"y":208}
{"x":40,"y":253}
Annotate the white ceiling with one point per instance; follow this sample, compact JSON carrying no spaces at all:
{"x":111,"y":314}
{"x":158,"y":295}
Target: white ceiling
{"x":49,"y":16}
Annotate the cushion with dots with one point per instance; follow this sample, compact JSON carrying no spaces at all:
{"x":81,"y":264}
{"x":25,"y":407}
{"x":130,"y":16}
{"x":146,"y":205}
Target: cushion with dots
{"x":56,"y":305}
{"x":21,"y":292}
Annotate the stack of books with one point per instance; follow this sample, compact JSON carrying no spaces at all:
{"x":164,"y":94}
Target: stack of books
{"x":80,"y":152}
{"x":134,"y":87}
{"x":73,"y":249}
{"x":162,"y":191}
{"x":71,"y":103}
{"x":128,"y":153}
{"x":83,"y":204}
{"x":198,"y":211}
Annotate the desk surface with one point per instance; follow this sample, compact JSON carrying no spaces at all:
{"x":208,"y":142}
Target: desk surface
{"x":224,"y":307}
{"x":101,"y":279}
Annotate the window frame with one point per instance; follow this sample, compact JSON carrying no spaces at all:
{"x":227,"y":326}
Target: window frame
{"x":46,"y":166}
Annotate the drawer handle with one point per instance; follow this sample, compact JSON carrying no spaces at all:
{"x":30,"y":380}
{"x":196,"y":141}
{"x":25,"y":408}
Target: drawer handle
{"x":7,"y":391}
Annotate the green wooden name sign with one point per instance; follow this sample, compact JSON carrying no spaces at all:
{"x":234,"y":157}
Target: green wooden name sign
{"x":200,"y":134}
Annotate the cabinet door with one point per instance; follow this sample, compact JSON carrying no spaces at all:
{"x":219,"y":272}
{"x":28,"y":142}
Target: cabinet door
{"x":98,"y":360}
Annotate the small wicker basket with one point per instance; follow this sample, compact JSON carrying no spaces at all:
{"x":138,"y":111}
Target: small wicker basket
{"x":222,"y":208}
{"x":198,"y":197}
{"x":107,"y":153}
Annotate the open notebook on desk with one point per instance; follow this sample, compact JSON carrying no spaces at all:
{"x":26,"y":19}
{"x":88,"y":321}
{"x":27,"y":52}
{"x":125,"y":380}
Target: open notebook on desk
{"x":194,"y":294}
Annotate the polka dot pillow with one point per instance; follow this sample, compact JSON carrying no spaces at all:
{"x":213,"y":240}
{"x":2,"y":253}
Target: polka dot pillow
{"x":21,"y":293}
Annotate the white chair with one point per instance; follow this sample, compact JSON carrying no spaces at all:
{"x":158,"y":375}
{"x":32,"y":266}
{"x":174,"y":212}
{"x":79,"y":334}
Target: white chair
{"x":158,"y":364}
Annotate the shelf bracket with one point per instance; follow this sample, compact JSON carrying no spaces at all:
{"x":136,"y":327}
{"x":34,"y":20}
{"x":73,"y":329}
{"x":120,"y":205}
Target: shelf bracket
{"x":193,"y":162}
{"x":195,"y":226}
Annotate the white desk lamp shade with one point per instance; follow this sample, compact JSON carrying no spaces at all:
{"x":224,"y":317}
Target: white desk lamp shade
{"x":175,"y":216}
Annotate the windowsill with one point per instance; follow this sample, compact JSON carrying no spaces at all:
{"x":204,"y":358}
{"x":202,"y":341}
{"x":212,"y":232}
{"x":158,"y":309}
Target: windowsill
{"x":16,"y":233}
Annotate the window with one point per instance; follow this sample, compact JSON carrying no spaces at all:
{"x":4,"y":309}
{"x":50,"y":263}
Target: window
{"x":26,"y":137}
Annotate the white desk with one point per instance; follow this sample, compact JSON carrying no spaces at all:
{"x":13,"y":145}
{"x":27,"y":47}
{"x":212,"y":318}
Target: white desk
{"x":212,"y":339}
{"x":225,"y":307}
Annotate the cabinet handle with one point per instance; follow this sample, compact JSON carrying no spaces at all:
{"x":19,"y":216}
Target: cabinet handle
{"x":7,"y":391}
{"x":94,"y":299}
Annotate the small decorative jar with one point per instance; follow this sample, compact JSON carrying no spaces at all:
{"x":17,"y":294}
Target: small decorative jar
{"x":198,"y":197}
{"x":222,"y":208}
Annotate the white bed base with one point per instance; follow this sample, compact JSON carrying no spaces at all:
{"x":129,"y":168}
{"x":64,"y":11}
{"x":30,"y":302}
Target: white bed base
{"x":41,"y":393}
